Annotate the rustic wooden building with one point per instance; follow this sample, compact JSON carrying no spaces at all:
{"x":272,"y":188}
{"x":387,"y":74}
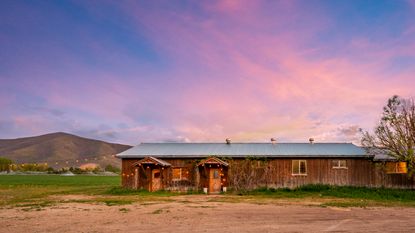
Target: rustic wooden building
{"x":216,"y":167}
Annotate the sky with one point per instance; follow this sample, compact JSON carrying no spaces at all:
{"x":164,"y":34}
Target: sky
{"x":203,"y":71}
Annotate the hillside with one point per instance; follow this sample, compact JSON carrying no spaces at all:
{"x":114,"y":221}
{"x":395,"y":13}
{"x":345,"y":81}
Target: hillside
{"x":60,"y":149}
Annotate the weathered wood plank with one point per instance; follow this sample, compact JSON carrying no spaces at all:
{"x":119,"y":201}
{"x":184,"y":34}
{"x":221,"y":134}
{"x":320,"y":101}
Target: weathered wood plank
{"x":277,"y":173}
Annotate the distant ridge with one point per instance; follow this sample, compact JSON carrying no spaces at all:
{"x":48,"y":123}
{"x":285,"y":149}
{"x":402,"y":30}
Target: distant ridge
{"x":60,"y":147}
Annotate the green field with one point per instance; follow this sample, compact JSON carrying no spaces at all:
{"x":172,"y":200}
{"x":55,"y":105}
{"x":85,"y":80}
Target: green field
{"x":344,"y":195}
{"x":57,"y":180}
{"x":38,"y":191}
{"x":17,"y":189}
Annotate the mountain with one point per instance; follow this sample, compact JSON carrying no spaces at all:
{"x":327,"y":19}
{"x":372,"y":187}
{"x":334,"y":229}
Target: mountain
{"x":61,"y":150}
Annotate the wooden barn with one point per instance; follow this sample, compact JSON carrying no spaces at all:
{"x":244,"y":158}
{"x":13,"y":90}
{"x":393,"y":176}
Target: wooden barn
{"x":216,"y":167}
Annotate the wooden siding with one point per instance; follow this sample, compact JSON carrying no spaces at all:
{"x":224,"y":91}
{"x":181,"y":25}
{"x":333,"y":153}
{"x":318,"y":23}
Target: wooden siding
{"x":275,"y":173}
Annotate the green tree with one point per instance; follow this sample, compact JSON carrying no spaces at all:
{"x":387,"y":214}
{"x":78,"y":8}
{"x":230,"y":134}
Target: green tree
{"x":395,"y":132}
{"x":5,"y":164}
{"x":110,"y":168}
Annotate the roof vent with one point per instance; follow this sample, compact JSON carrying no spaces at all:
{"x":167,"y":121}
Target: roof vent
{"x":228,"y":141}
{"x":311,"y":140}
{"x":273,"y":140}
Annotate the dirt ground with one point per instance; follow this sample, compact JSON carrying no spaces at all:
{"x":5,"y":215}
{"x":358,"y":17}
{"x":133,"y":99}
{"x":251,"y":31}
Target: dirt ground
{"x":198,"y":214}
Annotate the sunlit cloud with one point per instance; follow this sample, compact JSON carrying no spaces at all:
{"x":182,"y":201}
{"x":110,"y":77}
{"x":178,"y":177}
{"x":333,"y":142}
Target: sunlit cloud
{"x":251,"y":70}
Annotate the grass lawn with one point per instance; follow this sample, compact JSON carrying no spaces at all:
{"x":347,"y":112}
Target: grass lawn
{"x":37,"y":191}
{"x":15,"y":189}
{"x":57,"y":180}
{"x":343,"y":196}
{"x":44,"y":190}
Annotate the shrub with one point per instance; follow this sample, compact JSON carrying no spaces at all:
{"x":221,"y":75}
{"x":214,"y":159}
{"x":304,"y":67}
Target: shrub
{"x":5,"y":164}
{"x":110,"y":168}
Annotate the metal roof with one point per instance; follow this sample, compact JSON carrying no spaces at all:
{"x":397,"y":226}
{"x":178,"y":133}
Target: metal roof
{"x":383,"y":157}
{"x":198,"y":150}
{"x":381,"y":154}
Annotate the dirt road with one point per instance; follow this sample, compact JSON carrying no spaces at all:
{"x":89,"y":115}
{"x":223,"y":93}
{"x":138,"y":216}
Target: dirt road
{"x":202,"y":216}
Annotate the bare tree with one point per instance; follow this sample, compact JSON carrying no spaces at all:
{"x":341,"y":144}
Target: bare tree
{"x":248,"y":174}
{"x":395,"y":132}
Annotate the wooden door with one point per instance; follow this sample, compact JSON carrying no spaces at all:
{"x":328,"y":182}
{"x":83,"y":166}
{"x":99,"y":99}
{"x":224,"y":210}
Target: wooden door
{"x":214,"y":180}
{"x":155,"y":180}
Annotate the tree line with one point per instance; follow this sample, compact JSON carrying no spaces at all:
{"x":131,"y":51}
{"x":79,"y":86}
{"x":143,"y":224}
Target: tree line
{"x":7,"y":165}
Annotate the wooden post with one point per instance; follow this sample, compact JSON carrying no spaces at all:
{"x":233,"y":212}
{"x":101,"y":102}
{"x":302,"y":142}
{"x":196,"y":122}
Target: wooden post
{"x":197,"y":177}
{"x":136,"y":178}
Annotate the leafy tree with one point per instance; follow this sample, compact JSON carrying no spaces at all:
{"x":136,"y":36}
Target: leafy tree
{"x":42,"y":167}
{"x":110,"y":168}
{"x":395,"y":132}
{"x":97,"y":169}
{"x":5,"y":164}
{"x":76,"y":170}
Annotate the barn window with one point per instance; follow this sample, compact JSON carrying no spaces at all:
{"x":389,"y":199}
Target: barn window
{"x":177,"y":173}
{"x":299,"y":167}
{"x":156,"y":175}
{"x":215,"y":174}
{"x":180,"y":174}
{"x":396,"y":168}
{"x":339,"y":163}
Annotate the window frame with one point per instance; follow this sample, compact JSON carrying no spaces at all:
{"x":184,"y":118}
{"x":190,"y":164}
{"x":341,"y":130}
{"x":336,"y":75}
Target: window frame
{"x":396,"y":169}
{"x":180,"y":172}
{"x":338,"y":164}
{"x":299,"y":161}
{"x":157,"y":175}
{"x":182,"y":177}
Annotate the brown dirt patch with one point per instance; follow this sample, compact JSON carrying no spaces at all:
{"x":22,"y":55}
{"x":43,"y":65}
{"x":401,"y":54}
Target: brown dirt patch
{"x":201,"y":214}
{"x":71,"y":197}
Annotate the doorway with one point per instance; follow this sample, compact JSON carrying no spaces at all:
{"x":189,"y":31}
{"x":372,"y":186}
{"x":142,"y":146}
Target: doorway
{"x":155,"y":180}
{"x":214,"y":181}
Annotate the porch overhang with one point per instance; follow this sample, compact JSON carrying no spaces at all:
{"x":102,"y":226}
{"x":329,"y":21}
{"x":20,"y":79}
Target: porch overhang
{"x":213,"y":161}
{"x":151,"y":161}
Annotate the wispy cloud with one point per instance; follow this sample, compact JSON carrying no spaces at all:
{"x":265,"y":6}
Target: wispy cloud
{"x":249,"y":70}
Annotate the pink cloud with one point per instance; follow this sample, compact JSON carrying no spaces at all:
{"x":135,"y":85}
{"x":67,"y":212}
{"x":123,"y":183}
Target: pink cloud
{"x":266,"y":84}
{"x":252,"y":79}
{"x":237,"y":72}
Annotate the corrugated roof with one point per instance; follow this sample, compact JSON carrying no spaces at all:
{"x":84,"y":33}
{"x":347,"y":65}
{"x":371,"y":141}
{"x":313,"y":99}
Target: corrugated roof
{"x":197,"y":150}
{"x":380,"y":154}
{"x":383,"y":157}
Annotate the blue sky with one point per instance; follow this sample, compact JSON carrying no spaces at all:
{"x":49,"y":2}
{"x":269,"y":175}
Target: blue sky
{"x":134,"y":71}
